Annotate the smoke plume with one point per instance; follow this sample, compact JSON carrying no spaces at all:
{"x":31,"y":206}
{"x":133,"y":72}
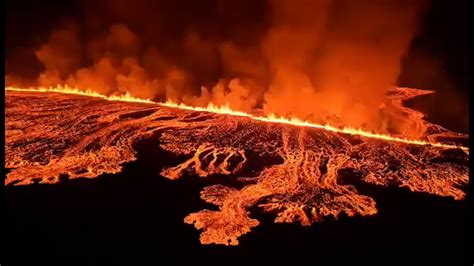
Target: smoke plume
{"x":323,"y":60}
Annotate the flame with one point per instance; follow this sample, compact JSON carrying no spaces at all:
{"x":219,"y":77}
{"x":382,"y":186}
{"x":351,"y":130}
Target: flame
{"x":225,"y":109}
{"x":75,"y":91}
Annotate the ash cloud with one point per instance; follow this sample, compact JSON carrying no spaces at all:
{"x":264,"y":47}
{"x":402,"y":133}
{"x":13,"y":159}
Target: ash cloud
{"x":315,"y":59}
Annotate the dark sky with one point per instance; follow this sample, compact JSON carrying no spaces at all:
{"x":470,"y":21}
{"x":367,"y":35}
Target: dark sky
{"x":28,"y":25}
{"x":437,"y":58}
{"x":444,"y":34}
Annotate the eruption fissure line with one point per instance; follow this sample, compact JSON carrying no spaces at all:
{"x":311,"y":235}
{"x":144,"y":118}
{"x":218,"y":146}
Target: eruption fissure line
{"x":69,"y":90}
{"x":225,"y":109}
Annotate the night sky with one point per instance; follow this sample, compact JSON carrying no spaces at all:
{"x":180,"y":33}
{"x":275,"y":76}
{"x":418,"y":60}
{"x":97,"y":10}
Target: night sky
{"x":436,"y":60}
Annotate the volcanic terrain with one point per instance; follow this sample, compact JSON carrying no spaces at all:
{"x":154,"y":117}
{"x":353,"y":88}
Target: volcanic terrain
{"x":295,"y":172}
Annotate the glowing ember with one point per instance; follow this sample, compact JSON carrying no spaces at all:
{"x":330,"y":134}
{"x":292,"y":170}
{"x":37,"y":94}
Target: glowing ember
{"x":50,"y":136}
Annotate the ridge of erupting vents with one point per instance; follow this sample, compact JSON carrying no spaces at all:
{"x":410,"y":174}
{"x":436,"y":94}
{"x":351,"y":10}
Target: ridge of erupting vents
{"x":50,"y":135}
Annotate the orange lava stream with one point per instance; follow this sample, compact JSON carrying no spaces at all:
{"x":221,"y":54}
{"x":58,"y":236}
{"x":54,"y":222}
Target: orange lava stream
{"x":225,"y":109}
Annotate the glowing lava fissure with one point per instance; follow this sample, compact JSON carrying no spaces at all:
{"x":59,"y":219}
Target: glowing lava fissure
{"x":50,"y":136}
{"x":225,"y":109}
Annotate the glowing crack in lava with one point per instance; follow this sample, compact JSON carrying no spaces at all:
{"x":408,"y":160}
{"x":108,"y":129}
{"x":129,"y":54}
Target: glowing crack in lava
{"x":50,"y":134}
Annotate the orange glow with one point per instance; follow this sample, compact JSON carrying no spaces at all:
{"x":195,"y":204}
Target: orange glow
{"x":225,"y":109}
{"x":75,"y":91}
{"x":295,"y":171}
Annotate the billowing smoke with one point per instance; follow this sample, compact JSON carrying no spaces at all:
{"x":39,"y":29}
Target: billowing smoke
{"x":118,"y":65}
{"x":323,"y":60}
{"x":337,"y":57}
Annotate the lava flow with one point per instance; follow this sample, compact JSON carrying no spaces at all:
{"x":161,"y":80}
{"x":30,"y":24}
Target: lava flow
{"x":50,"y":136}
{"x":271,"y":118}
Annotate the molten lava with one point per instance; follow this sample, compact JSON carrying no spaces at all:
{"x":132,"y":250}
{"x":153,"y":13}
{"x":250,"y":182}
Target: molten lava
{"x":293,"y":169}
{"x":75,"y":91}
{"x":225,"y":109}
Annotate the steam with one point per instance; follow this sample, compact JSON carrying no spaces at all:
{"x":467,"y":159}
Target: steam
{"x":337,"y":57}
{"x":314,"y":59}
